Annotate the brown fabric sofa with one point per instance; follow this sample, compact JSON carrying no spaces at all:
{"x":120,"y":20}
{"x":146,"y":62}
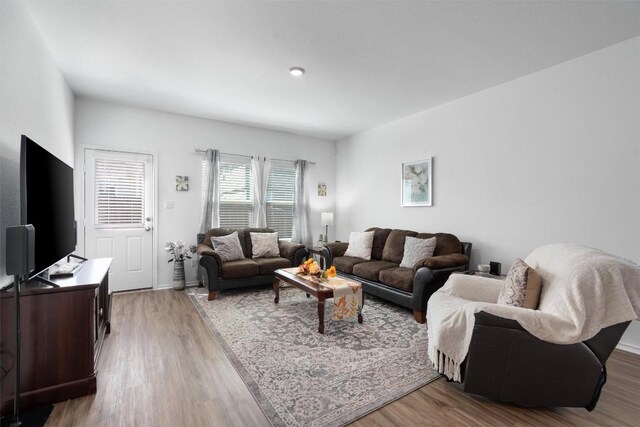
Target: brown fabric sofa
{"x":217,"y":275}
{"x":383,"y":277}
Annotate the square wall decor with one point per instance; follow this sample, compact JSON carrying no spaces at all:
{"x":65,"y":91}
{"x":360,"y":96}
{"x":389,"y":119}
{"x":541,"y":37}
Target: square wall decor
{"x":416,"y":185}
{"x":182,"y":183}
{"x":322,"y":190}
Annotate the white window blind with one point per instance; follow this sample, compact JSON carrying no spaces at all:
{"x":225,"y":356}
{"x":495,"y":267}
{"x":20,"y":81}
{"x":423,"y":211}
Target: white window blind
{"x":280,"y":188}
{"x":236,"y":192}
{"x":119,"y":190}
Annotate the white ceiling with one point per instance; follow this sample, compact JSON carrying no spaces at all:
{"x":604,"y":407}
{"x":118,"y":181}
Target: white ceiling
{"x":368,"y":62}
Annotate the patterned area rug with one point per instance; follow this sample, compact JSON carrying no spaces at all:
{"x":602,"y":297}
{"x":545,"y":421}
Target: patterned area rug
{"x":302,"y":378}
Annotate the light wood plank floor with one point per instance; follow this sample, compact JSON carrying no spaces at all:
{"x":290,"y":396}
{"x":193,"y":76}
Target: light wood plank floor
{"x":161,"y":367}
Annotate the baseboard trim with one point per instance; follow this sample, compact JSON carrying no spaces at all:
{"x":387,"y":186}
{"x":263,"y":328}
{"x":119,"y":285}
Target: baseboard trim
{"x":628,"y":348}
{"x":170,"y":285}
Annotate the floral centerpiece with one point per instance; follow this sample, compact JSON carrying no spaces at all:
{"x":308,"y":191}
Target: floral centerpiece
{"x":179,"y":251}
{"x":311,"y":268}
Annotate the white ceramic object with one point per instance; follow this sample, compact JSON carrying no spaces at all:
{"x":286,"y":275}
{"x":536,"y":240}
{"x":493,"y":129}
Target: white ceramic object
{"x":484,"y":268}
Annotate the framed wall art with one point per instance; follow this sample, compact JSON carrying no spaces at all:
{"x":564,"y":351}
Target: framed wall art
{"x":182,"y":183}
{"x":417,"y":177}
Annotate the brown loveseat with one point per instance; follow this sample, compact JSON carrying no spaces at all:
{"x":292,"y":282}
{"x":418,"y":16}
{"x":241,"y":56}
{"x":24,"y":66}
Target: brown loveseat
{"x":217,"y":275}
{"x":383,"y":277}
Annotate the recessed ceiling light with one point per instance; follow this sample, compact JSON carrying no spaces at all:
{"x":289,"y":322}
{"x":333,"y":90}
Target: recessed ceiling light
{"x":296,"y":71}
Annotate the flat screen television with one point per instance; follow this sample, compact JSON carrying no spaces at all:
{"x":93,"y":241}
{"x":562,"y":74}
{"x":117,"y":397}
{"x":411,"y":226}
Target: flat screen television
{"x":46,"y":202}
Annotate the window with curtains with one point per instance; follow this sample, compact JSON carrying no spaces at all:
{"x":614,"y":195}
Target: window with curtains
{"x":280,"y":189}
{"x":236,"y":192}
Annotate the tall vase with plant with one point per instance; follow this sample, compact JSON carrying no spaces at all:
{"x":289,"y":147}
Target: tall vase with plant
{"x":179,"y":252}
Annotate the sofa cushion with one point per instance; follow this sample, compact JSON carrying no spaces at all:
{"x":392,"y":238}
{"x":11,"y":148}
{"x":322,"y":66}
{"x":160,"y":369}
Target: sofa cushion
{"x":228,"y":247}
{"x":521,"y":287}
{"x":239,"y":269}
{"x":264,"y":245}
{"x":268,"y":265}
{"x":248,"y":242}
{"x":445,"y":243}
{"x":346,"y":263}
{"x":216,"y":232}
{"x":416,"y":250}
{"x":400,"y":278}
{"x":379,"y":239}
{"x":360,"y":244}
{"x":371,"y":269}
{"x":394,"y":247}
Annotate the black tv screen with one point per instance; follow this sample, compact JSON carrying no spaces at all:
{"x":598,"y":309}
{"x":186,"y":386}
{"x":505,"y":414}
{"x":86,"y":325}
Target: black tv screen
{"x":46,"y":193}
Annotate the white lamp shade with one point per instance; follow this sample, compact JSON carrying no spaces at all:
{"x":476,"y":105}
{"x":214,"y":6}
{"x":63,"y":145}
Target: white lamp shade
{"x":326,"y":218}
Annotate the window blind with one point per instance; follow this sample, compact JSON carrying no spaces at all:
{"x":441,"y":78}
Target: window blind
{"x":280,"y":190}
{"x":236,"y":192}
{"x":119,"y":190}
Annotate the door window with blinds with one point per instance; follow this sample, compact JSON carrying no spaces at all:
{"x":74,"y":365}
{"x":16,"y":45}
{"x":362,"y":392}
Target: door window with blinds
{"x":236,"y":192}
{"x":119,"y":193}
{"x":280,"y":190}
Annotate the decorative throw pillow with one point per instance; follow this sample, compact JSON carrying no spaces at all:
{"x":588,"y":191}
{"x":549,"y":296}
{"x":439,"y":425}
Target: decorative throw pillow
{"x":265,"y":245}
{"x":360,"y":244}
{"x":228,"y":247}
{"x":416,"y":249}
{"x":522,"y":286}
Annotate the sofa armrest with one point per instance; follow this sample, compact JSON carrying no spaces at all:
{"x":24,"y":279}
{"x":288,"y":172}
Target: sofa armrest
{"x":335,"y":250}
{"x":288,"y":249}
{"x":474,"y":288}
{"x":443,"y":261}
{"x":300,"y":255}
{"x":206,"y":251}
{"x":485,"y":319}
{"x":428,"y":280}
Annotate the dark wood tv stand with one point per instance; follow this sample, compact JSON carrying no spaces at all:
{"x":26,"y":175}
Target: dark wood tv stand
{"x":63,"y":329}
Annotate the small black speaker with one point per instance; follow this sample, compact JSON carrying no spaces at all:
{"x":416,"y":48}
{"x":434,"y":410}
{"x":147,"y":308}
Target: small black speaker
{"x":21,"y":249}
{"x":494,"y":268}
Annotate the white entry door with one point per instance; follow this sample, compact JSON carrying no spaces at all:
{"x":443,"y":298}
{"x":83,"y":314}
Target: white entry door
{"x":119,"y":215}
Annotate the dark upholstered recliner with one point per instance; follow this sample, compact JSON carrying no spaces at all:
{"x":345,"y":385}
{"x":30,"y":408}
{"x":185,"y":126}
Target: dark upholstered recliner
{"x":552,"y":354}
{"x":217,"y":275}
{"x":507,"y":363}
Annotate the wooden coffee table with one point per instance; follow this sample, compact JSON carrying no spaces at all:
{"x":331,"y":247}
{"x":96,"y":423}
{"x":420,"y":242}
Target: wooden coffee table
{"x":311,"y":288}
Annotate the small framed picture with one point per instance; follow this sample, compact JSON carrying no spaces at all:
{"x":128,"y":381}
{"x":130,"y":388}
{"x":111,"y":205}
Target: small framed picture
{"x":322,"y":190}
{"x":182,"y":183}
{"x":417,"y":177}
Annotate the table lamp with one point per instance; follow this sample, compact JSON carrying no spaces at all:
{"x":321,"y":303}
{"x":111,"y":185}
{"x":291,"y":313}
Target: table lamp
{"x":326,"y":219}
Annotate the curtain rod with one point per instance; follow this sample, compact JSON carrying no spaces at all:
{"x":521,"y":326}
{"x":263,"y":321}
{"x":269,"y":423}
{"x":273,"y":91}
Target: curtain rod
{"x":200,"y":150}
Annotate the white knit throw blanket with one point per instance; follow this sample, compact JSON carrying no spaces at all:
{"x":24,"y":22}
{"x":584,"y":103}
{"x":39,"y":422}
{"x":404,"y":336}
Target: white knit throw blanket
{"x":583,"y":291}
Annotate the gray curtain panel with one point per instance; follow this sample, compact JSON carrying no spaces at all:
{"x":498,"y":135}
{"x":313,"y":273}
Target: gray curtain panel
{"x":301,"y":217}
{"x":260,"y":168}
{"x":210,"y":205}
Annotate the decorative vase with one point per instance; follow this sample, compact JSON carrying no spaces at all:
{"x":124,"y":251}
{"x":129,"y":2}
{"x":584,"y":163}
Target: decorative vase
{"x":179,"y":281}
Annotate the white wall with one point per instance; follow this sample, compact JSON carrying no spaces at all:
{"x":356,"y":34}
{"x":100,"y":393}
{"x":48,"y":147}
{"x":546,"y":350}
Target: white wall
{"x":550,"y":157}
{"x":173,"y":137}
{"x":34,"y":100}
